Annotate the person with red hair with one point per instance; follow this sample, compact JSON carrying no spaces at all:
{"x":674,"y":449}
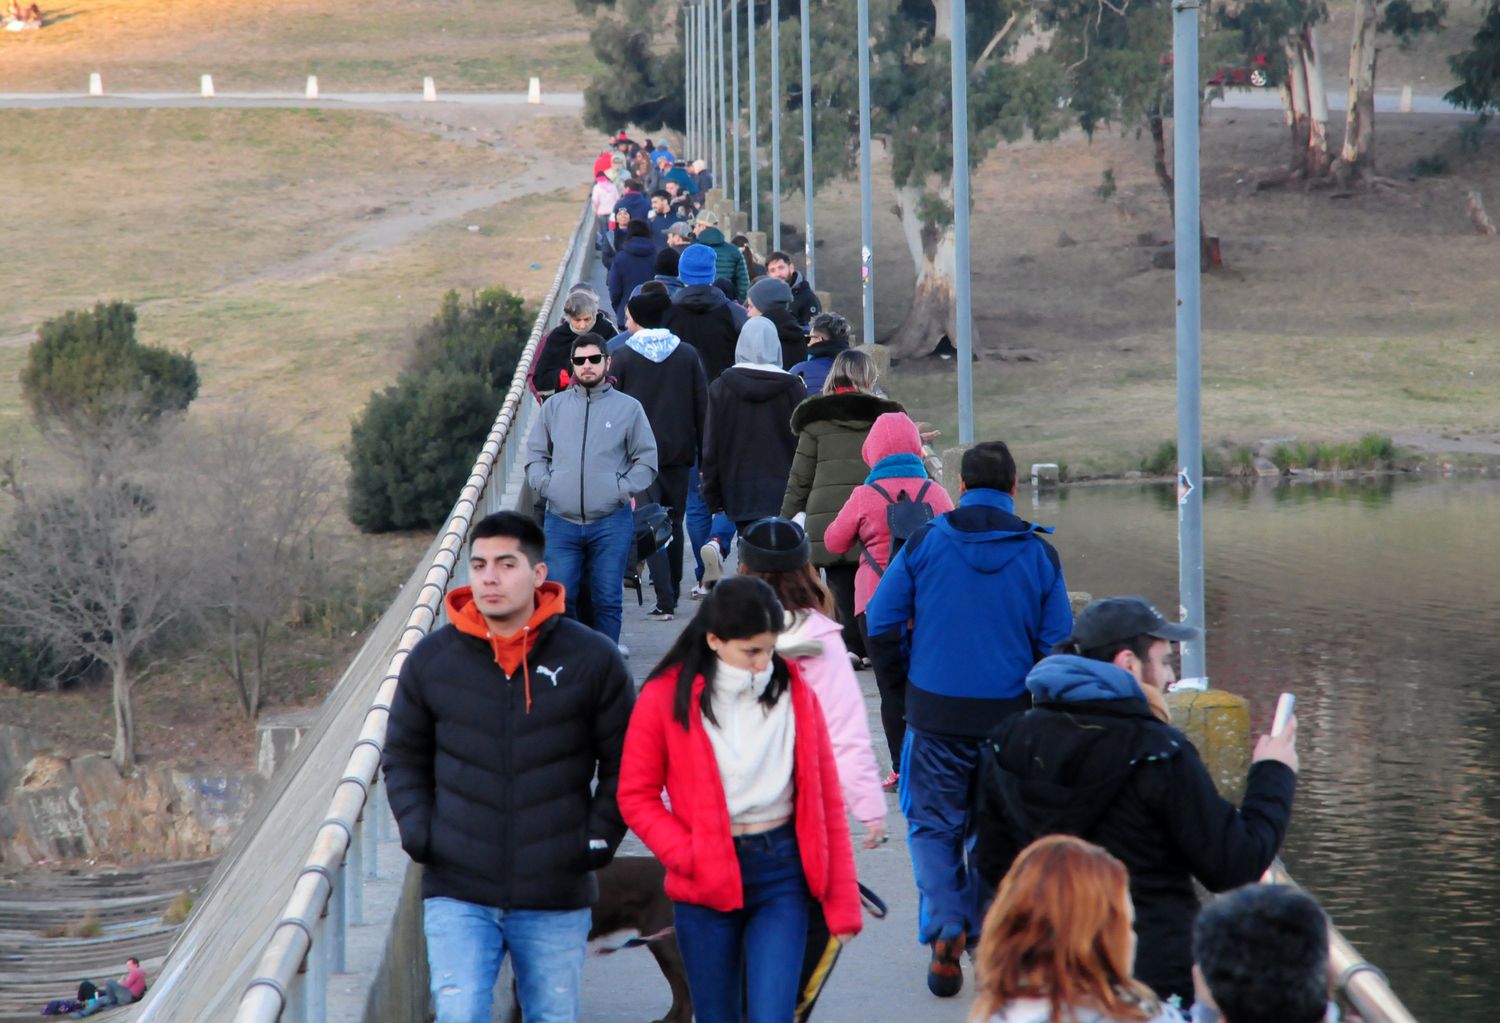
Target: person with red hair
{"x":1058,"y":945}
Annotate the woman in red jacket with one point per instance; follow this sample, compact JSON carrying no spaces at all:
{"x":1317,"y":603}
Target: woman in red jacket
{"x":756,"y":822}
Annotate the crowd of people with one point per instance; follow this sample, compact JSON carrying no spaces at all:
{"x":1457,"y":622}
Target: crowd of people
{"x":1055,"y":818}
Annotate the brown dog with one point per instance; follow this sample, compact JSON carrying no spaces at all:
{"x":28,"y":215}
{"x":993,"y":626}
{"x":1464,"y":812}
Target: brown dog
{"x":631,"y":898}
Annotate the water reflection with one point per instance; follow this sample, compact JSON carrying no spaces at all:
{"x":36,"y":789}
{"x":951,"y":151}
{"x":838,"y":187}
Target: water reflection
{"x":1374,"y":601}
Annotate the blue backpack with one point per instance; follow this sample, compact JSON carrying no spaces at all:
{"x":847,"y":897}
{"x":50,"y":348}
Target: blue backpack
{"x":903,"y":516}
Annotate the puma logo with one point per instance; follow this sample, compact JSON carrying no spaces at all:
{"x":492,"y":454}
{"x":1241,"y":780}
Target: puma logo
{"x":551,"y":673}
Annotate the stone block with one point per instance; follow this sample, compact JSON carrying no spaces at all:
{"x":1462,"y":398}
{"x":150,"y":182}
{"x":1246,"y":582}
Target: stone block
{"x":1079,"y":599}
{"x":276,"y":738}
{"x":1218,"y":723}
{"x":880,"y":355}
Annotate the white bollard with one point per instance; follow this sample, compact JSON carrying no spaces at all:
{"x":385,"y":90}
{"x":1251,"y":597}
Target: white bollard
{"x":207,"y":88}
{"x":312,"y":86}
{"x":429,"y":90}
{"x":96,"y":84}
{"x":1406,"y":99}
{"x":1044,"y":474}
{"x":534,"y":91}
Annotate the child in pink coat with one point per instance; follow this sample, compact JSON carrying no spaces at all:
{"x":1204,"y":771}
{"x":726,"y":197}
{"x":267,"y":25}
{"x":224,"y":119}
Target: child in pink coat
{"x":893,"y":451}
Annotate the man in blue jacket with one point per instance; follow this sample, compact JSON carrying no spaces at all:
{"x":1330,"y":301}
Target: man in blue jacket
{"x":968,"y":605}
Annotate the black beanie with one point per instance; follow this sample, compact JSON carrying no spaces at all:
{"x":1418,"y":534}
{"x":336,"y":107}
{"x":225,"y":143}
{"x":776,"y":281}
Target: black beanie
{"x":774,"y":545}
{"x":648,"y":308}
{"x":666,"y":262}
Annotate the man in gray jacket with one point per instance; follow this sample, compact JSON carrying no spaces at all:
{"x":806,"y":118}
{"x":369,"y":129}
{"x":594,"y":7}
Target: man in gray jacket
{"x":590,"y":452}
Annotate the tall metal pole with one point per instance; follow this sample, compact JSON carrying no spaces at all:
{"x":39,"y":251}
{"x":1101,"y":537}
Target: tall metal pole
{"x":866,"y":208}
{"x":754,"y":127}
{"x":687,"y":77}
{"x":734,"y":72}
{"x":1185,"y":92}
{"x":775,"y":124}
{"x":705,"y":92}
{"x":807,"y":143}
{"x":721,"y":136}
{"x":963,"y":314}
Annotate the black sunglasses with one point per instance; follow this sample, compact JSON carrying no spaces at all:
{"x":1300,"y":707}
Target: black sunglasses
{"x":579,"y":360}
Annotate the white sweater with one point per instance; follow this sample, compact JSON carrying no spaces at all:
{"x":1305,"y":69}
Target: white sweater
{"x":753,"y":745}
{"x":1039,"y":1010}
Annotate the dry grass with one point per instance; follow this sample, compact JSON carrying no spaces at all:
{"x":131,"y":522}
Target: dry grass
{"x":352,"y":45}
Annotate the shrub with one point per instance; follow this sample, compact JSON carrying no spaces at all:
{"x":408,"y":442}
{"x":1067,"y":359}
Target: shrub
{"x":414,"y":444}
{"x":86,"y":371}
{"x":1162,"y":461}
{"x":30,"y":664}
{"x":413,"y":447}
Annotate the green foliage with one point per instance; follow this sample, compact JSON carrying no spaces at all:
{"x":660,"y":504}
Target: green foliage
{"x":1372,"y":451}
{"x":1107,"y":185}
{"x":642,"y":80}
{"x":413,"y":445}
{"x":1432,"y":166}
{"x":30,"y":663}
{"x":86,"y":369}
{"x":1162,"y":461}
{"x":1478,"y":68}
{"x":1406,"y":21}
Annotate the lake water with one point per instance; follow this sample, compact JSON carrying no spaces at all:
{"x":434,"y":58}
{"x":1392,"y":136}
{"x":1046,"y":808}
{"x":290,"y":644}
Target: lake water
{"x":1375,"y":602}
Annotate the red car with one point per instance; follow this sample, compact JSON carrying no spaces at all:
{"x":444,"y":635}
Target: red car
{"x":1256,"y":71}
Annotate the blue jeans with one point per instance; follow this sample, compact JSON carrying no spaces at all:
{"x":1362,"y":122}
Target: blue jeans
{"x":939,"y":779}
{"x":597,"y":552}
{"x":466,"y":944}
{"x":701,"y":525}
{"x":751,"y":955}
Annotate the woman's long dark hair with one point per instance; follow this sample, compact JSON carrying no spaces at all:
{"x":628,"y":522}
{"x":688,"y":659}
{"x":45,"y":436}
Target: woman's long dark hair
{"x":737,"y":608}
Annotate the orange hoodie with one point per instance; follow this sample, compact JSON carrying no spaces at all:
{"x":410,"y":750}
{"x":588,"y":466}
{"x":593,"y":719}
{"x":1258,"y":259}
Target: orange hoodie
{"x":510,"y":651}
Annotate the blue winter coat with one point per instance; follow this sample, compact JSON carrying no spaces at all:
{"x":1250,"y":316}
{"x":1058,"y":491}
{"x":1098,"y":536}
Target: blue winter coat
{"x":988,"y":600}
{"x":634,"y":265}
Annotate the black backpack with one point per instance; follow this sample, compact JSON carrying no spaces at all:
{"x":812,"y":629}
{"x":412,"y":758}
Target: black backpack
{"x":903,"y":516}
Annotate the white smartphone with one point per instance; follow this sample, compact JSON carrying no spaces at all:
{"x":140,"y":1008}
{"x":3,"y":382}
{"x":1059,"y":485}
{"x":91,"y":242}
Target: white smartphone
{"x":1284,"y":707}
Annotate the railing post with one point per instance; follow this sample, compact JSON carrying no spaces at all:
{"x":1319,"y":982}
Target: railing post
{"x":369,"y":834}
{"x":294,"y":1008}
{"x":354,"y":874}
{"x":316,"y":980}
{"x":338,"y":920}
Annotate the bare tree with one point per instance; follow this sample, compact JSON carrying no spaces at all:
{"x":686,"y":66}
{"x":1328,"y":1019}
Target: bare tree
{"x":254,"y":531}
{"x":93,"y":568}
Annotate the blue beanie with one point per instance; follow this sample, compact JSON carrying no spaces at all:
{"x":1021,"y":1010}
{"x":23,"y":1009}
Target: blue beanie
{"x":696,"y":265}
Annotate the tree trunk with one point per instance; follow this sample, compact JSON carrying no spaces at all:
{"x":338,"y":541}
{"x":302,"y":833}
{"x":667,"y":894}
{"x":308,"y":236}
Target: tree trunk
{"x":1159,"y":158}
{"x":1358,"y":153}
{"x":237,"y":665}
{"x":262,"y":638}
{"x":932,"y":252}
{"x":1300,"y":115}
{"x":124,"y":751}
{"x":1318,"y":157}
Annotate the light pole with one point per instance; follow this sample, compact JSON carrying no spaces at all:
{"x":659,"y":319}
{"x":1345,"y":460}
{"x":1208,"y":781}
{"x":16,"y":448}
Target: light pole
{"x":961,"y":289}
{"x":734,"y":73}
{"x":754,"y":127}
{"x":775,"y":124}
{"x":866,"y":211}
{"x":1185,"y":94}
{"x":721,"y":153}
{"x":807,"y":143}
{"x":687,"y":75}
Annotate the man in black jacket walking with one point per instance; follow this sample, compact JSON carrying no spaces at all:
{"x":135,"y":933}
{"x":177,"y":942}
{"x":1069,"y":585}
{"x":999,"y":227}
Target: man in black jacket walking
{"x":1096,"y":758}
{"x":666,"y":376}
{"x":502,"y":720}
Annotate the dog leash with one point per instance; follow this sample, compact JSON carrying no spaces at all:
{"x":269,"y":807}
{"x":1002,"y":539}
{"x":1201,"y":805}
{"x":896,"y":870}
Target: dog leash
{"x":874,"y":904}
{"x":638,"y":941}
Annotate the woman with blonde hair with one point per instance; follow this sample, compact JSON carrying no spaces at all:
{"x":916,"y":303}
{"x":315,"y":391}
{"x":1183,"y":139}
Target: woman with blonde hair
{"x":1058,"y":944}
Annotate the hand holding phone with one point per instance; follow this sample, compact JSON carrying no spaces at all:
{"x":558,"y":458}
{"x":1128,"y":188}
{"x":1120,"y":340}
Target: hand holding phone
{"x":1281,"y":743}
{"x":1284,"y":707}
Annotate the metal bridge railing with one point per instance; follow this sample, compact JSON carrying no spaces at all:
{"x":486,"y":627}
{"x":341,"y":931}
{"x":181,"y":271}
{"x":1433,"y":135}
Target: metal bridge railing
{"x":307,"y":942}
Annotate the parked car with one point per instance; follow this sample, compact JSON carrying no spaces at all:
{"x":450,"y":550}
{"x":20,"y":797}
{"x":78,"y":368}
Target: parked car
{"x":1255,"y":72}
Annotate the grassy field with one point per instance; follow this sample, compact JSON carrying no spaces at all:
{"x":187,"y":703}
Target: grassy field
{"x":351,"y":45}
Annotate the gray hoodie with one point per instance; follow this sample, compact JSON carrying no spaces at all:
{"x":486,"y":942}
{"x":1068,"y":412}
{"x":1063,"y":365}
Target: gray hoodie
{"x":759,"y":345}
{"x":590,"y":452}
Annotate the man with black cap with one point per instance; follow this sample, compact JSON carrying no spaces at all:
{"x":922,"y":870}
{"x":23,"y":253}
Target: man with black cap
{"x":1096,"y":757}
{"x":666,"y":376}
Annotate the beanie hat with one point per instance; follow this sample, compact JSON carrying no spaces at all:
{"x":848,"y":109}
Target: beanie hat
{"x":695,"y":265}
{"x":774,"y":545}
{"x":648,"y":308}
{"x":769,"y":293}
{"x":666,"y":262}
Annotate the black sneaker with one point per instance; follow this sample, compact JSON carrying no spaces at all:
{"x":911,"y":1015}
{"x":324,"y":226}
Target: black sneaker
{"x":945,"y":974}
{"x":660,"y":614}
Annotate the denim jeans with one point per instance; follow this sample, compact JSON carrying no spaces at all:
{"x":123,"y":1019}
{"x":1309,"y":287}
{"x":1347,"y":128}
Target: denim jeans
{"x":939,"y":779}
{"x":751,"y":955}
{"x":701,"y":524}
{"x":466,"y":943}
{"x":596,"y":553}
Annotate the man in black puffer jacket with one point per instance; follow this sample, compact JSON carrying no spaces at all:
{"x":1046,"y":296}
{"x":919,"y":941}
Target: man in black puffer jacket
{"x":501,"y":721}
{"x":1095,"y":758}
{"x":701,"y":316}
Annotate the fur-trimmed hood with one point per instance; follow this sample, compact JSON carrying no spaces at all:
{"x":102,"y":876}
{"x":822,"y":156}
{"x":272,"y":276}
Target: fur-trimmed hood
{"x":851,"y":406}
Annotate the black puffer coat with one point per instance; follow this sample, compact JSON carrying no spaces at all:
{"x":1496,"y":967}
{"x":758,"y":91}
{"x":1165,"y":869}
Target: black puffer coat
{"x":552,"y":355}
{"x":702,"y":317}
{"x":494,"y":798}
{"x":1090,"y":759}
{"x":748,"y":447}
